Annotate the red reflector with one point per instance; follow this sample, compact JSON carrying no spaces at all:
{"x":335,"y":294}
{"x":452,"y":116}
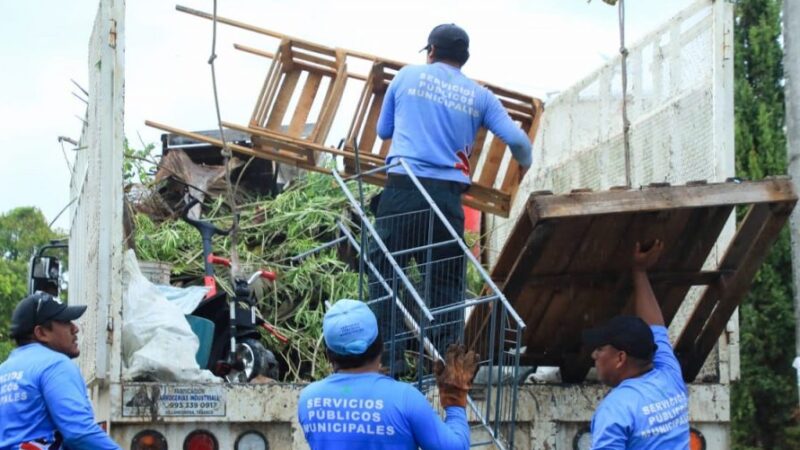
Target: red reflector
{"x":149,"y":440}
{"x":200,"y":440}
{"x":696,"y":440}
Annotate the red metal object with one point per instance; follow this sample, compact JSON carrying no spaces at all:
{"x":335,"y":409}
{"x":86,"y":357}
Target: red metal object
{"x":214,"y":259}
{"x":274,"y":331}
{"x":266,"y":274}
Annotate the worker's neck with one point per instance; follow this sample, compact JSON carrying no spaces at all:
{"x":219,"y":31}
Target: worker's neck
{"x":633,"y":372}
{"x":374,"y":366}
{"x":449,"y":63}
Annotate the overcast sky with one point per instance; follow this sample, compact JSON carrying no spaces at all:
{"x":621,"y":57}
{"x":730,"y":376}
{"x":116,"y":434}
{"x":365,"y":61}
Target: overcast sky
{"x":533,"y":46}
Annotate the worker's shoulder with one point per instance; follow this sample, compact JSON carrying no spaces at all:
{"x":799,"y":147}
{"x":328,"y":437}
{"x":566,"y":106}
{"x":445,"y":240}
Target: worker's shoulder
{"x":625,"y":394}
{"x":344,"y":384}
{"x":34,"y":362}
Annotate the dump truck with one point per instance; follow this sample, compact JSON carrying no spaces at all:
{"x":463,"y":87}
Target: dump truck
{"x":552,"y":243}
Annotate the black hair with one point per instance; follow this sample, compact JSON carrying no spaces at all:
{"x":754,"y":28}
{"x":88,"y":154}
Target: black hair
{"x":28,"y":338}
{"x":459,"y":56}
{"x":340,"y":361}
{"x":641,"y":363}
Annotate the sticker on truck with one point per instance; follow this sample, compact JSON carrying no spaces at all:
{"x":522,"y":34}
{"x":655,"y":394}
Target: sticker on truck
{"x":168,"y":400}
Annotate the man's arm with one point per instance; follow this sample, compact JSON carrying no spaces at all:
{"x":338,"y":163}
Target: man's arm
{"x":428,"y":429}
{"x":385,"y":127}
{"x":610,"y":426}
{"x":497,"y":120}
{"x":65,"y":396}
{"x":645,"y":303}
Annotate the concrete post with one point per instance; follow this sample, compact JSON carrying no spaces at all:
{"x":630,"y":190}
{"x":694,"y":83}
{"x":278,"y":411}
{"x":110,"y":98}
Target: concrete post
{"x":791,"y":69}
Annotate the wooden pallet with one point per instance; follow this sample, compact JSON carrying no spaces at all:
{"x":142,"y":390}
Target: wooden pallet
{"x":565,"y":266}
{"x":306,"y":77}
{"x":494,"y":183}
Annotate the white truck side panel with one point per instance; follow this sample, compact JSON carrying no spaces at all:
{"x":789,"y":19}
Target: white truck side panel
{"x":95,"y":250}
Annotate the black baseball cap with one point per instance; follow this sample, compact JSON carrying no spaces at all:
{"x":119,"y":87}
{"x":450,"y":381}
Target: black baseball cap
{"x":627,"y":333}
{"x":448,"y":36}
{"x":39,"y":308}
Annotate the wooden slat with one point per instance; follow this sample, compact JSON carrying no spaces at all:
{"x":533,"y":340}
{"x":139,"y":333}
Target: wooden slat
{"x":655,"y":199}
{"x":266,"y":96}
{"x":357,"y":123}
{"x":508,"y":254}
{"x":555,"y":257}
{"x":668,"y":278}
{"x":299,"y":145}
{"x":270,"y":55}
{"x":734,"y":255}
{"x":705,"y":224}
{"x":370,"y":132}
{"x":512,"y":287}
{"x":331,"y":102}
{"x":313,"y":47}
{"x":258,"y":153}
{"x":281,"y":104}
{"x":602,"y":240}
{"x":477,"y":149}
{"x":501,"y":209}
{"x":747,"y":251}
{"x":326,"y":63}
{"x":511,"y":179}
{"x":307,"y":96}
{"x":491,"y":164}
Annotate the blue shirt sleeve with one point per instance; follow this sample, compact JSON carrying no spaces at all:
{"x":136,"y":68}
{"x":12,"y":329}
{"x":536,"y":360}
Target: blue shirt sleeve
{"x":428,"y":429}
{"x":611,"y":426}
{"x":664,"y":358}
{"x":64,"y":394}
{"x":385,"y":125}
{"x":497,"y":120}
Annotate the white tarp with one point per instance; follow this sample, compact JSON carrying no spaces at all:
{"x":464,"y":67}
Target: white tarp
{"x":157,"y":341}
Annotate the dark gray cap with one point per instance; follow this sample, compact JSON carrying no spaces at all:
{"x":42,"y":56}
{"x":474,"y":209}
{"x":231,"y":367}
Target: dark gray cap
{"x":448,"y":36}
{"x":627,"y":333}
{"x":38,"y":309}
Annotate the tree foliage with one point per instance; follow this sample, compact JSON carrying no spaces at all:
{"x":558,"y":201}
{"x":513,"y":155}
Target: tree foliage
{"x":764,"y":400}
{"x":21,"y":230}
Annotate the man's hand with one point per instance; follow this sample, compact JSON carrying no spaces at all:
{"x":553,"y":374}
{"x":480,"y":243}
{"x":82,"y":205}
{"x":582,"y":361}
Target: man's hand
{"x":454,"y":377}
{"x":522,"y":172}
{"x":644,"y":260}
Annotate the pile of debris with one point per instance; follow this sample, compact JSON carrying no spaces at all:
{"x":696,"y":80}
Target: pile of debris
{"x":279,"y":219}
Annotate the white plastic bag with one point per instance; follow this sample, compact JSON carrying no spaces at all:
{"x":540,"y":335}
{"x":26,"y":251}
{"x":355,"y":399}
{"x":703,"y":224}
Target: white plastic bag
{"x":157,"y":341}
{"x":186,"y":298}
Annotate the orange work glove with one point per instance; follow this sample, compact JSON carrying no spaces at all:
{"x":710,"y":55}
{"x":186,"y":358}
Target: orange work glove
{"x":454,"y":376}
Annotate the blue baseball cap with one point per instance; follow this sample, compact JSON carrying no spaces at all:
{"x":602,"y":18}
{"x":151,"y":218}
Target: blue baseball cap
{"x":349,"y":327}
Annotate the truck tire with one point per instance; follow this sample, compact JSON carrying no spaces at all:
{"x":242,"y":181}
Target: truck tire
{"x":257,"y":360}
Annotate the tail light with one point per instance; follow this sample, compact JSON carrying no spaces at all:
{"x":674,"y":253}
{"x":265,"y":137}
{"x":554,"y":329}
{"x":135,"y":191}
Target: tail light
{"x":582,"y":439}
{"x":251,"y":440}
{"x":149,"y":440}
{"x":696,"y":440}
{"x":200,"y":440}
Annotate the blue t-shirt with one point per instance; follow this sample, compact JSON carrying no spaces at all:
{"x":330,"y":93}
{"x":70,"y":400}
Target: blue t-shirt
{"x":371,"y":411}
{"x":650,"y":411}
{"x":432,"y":113}
{"x":41,"y":392}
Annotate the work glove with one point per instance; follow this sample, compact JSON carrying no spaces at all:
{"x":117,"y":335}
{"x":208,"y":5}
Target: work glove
{"x":454,"y":376}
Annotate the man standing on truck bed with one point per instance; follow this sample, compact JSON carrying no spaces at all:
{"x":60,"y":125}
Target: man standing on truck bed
{"x":43,"y":400}
{"x":358,"y":407}
{"x":432,"y":112}
{"x":648,"y":405}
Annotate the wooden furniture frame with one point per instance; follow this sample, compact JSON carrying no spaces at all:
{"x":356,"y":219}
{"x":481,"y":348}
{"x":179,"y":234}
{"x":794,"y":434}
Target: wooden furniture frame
{"x":494,"y":184}
{"x":293,"y":89}
{"x":566,"y":264}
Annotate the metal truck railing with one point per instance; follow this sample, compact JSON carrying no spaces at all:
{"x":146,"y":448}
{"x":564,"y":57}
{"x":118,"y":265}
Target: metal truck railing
{"x":414,"y":268}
